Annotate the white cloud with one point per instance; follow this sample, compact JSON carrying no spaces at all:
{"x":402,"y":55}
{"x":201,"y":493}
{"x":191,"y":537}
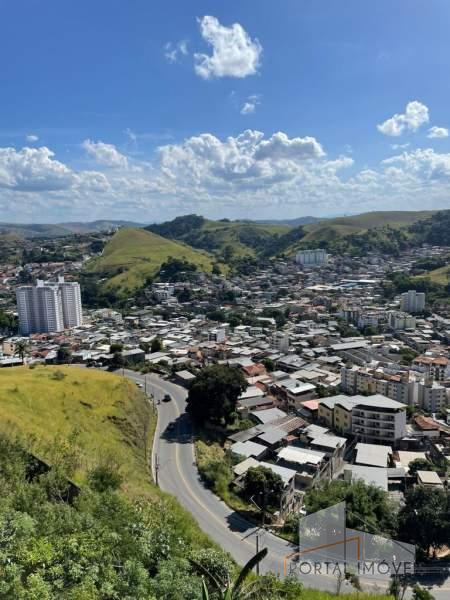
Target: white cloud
{"x":173,"y":52}
{"x":400,"y":146}
{"x":105,"y":154}
{"x":437,"y":132}
{"x":415,"y":115}
{"x":425,"y":164}
{"x":250,"y":104}
{"x":31,"y":138}
{"x":33,"y":169}
{"x":234,"y":53}
{"x":248,"y":175}
{"x":248,"y":159}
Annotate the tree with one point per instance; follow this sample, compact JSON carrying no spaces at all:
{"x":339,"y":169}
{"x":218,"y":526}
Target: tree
{"x":269,"y":364}
{"x":117,"y":361}
{"x":420,"y":464}
{"x":21,"y":348}
{"x":368,"y":506}
{"x":157,"y":345}
{"x":63,"y":355}
{"x":214,"y":393}
{"x":424,"y":520}
{"x":115,"y":348}
{"x":216,"y":269}
{"x":264,"y":486}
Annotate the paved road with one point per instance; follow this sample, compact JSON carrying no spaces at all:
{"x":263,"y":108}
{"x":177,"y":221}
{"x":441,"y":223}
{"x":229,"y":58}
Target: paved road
{"x":173,"y":456}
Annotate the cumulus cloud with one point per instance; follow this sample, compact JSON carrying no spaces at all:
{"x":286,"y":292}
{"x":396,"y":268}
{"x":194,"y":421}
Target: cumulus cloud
{"x":234,"y":53}
{"x":247,"y":174}
{"x":249,"y":158}
{"x":424,"y":164}
{"x":173,"y":52}
{"x":106,"y":155}
{"x":250,"y":104}
{"x":415,"y":115}
{"x":33,"y":169}
{"x":437,"y":132}
{"x":31,"y":138}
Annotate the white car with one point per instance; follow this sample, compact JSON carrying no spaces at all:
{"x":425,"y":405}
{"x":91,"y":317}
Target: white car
{"x":139,"y":384}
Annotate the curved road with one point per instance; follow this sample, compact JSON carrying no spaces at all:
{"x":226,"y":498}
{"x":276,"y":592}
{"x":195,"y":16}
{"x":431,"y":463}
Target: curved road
{"x":174,"y":460}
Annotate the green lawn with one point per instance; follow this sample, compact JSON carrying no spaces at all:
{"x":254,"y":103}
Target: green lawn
{"x":110,"y":413}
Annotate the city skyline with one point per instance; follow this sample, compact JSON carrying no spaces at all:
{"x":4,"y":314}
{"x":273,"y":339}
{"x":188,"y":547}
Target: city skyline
{"x":145,"y":112}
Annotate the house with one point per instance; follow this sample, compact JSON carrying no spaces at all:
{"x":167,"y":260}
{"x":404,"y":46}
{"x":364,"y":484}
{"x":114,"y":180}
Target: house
{"x":376,"y":476}
{"x":248,"y":449}
{"x":184,"y":378}
{"x":429,"y":479}
{"x":269,"y":415}
{"x":293,"y":392}
{"x":373,"y":455}
{"x":135,"y":356}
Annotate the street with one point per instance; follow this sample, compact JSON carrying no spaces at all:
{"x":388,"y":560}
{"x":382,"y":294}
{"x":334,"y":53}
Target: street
{"x":174,"y":460}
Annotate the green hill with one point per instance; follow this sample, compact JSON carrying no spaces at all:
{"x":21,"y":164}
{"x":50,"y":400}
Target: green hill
{"x":234,"y":239}
{"x":226,"y":239}
{"x":133,"y":255}
{"x":332,"y":229}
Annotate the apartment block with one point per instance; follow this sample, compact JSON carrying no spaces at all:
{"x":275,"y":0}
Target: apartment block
{"x":401,"y":320}
{"x":49,"y":307}
{"x":312,"y":258}
{"x":412,"y":301}
{"x":355,"y":380}
{"x":373,"y":419}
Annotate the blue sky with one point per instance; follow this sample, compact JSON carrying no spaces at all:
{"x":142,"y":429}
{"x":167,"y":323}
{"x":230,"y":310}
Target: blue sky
{"x":145,"y":109}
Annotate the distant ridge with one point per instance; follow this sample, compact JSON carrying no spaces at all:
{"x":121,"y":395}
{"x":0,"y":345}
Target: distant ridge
{"x":291,"y":222}
{"x":51,"y":230}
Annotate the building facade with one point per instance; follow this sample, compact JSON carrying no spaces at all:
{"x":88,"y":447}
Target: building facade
{"x":49,"y":307}
{"x":412,"y":301}
{"x":312,"y":258}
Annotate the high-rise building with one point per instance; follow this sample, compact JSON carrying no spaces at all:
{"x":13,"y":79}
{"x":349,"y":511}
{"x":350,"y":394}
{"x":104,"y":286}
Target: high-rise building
{"x":412,"y":301}
{"x":312,"y":258}
{"x":49,"y":307}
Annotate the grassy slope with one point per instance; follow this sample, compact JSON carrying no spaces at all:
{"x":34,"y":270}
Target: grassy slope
{"x":108,"y":410}
{"x":441,"y":275}
{"x":342,"y":226}
{"x":141,"y":254}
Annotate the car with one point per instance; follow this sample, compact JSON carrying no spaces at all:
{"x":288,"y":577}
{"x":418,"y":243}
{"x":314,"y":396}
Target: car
{"x":139,"y":384}
{"x":167,"y":398}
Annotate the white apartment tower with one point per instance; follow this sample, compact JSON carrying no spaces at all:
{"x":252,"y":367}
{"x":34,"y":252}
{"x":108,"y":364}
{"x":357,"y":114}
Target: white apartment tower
{"x":412,"y":301}
{"x":312,"y":258}
{"x":49,"y":307}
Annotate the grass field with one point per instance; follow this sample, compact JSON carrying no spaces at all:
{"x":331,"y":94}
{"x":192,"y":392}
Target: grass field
{"x":140,"y":254}
{"x":110,"y":414}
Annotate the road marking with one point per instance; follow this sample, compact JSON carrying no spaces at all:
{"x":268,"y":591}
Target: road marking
{"x":188,"y":487}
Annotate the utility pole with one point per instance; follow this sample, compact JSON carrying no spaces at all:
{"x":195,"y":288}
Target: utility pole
{"x":156,"y":469}
{"x":257,"y":550}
